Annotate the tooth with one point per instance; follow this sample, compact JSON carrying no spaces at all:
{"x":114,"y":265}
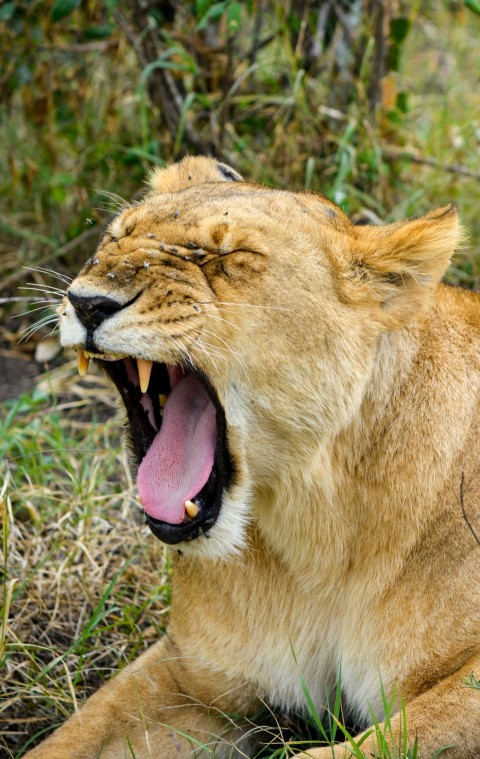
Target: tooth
{"x":162,"y":399}
{"x":144,"y":372}
{"x":82,"y":363}
{"x":191,"y":508}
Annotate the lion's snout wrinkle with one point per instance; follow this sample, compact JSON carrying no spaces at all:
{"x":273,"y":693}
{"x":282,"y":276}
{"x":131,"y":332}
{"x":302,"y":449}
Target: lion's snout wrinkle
{"x":341,"y":384}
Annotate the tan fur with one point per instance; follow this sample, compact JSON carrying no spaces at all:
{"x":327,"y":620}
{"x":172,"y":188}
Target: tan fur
{"x":350,"y":381}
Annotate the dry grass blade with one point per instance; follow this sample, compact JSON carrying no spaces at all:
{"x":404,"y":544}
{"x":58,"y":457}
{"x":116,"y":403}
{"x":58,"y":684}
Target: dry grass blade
{"x":85,"y":588}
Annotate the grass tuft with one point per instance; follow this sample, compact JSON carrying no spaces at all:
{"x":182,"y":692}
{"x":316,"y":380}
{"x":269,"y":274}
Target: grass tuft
{"x":84,"y":588}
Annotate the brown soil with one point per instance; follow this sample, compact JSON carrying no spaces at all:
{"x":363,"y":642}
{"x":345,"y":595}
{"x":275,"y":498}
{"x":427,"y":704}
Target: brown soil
{"x":17,"y":374}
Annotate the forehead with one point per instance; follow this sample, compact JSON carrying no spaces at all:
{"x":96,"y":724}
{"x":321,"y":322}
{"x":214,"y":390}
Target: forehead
{"x":222,"y":215}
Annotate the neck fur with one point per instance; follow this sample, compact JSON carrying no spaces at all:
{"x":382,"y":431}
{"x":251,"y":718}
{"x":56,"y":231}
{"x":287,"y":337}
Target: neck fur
{"x":322,"y":516}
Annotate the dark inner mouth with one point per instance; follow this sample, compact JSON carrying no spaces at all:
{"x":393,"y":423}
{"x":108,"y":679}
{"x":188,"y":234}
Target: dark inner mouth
{"x":178,"y":438}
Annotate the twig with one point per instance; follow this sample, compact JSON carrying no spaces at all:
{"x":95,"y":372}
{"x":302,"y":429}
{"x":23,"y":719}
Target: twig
{"x":162,"y":88}
{"x":380,"y":10}
{"x":342,"y":18}
{"x":57,"y":253}
{"x":27,"y":234}
{"x":319,"y":41}
{"x":397,"y":153}
{"x":20,"y":299}
{"x":257,"y":28}
{"x":131,"y":37}
{"x":82,"y":47}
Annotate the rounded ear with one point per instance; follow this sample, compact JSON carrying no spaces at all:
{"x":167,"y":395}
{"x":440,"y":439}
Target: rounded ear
{"x":190,"y":171}
{"x":401,"y":264}
{"x":228,"y":174}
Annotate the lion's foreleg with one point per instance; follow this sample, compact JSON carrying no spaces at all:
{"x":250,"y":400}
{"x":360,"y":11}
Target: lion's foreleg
{"x":143,"y":713}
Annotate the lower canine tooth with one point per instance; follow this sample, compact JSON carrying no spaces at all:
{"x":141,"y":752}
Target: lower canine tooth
{"x":191,"y":508}
{"x":144,"y":372}
{"x":82,"y":363}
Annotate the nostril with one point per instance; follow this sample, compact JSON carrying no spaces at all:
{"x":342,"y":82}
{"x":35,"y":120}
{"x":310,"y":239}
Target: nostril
{"x":92,"y":310}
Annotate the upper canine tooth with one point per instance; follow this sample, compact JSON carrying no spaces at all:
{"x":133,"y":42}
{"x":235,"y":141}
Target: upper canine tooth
{"x":144,"y":372}
{"x":82,"y":363}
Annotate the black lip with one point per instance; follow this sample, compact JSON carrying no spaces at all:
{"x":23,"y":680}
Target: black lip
{"x":142,"y":435}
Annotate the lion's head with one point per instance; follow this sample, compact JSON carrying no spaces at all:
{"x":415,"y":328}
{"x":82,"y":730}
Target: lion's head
{"x":241,"y":327}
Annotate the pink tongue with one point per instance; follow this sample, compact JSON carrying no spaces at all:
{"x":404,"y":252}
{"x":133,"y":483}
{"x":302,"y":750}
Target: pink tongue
{"x":180,"y":459}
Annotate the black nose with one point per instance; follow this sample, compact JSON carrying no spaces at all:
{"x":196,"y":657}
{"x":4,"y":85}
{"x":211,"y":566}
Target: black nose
{"x":93,"y":309}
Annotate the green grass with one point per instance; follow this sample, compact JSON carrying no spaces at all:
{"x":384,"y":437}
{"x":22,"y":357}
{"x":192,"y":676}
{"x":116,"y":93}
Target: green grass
{"x":276,"y":120}
{"x":85,"y":588}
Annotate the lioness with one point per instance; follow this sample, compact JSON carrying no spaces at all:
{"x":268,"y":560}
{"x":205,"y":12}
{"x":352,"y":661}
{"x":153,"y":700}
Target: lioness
{"x":302,"y":397}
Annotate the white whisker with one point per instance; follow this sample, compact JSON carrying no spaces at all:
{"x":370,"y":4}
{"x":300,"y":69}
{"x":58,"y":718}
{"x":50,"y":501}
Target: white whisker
{"x":38,"y":325}
{"x":48,"y":317}
{"x":51,"y":273}
{"x":117,"y":203}
{"x":182,"y":348}
{"x":32,"y":310}
{"x":106,"y":209}
{"x":46,"y":289}
{"x":54,"y":330}
{"x":25,"y":299}
{"x":221,"y":319}
{"x":199,"y":344}
{"x":242,"y":305}
{"x":114,"y":196}
{"x":214,"y":350}
{"x":211,"y":350}
{"x":227,"y":346}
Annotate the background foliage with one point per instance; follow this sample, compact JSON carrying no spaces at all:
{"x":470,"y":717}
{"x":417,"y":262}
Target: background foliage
{"x":374,"y":103}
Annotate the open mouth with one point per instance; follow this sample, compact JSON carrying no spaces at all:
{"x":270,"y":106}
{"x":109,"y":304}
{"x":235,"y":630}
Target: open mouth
{"x":178,"y":436}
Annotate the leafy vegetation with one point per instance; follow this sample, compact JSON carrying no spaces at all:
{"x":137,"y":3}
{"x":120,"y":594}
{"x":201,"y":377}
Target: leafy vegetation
{"x":379,"y":110}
